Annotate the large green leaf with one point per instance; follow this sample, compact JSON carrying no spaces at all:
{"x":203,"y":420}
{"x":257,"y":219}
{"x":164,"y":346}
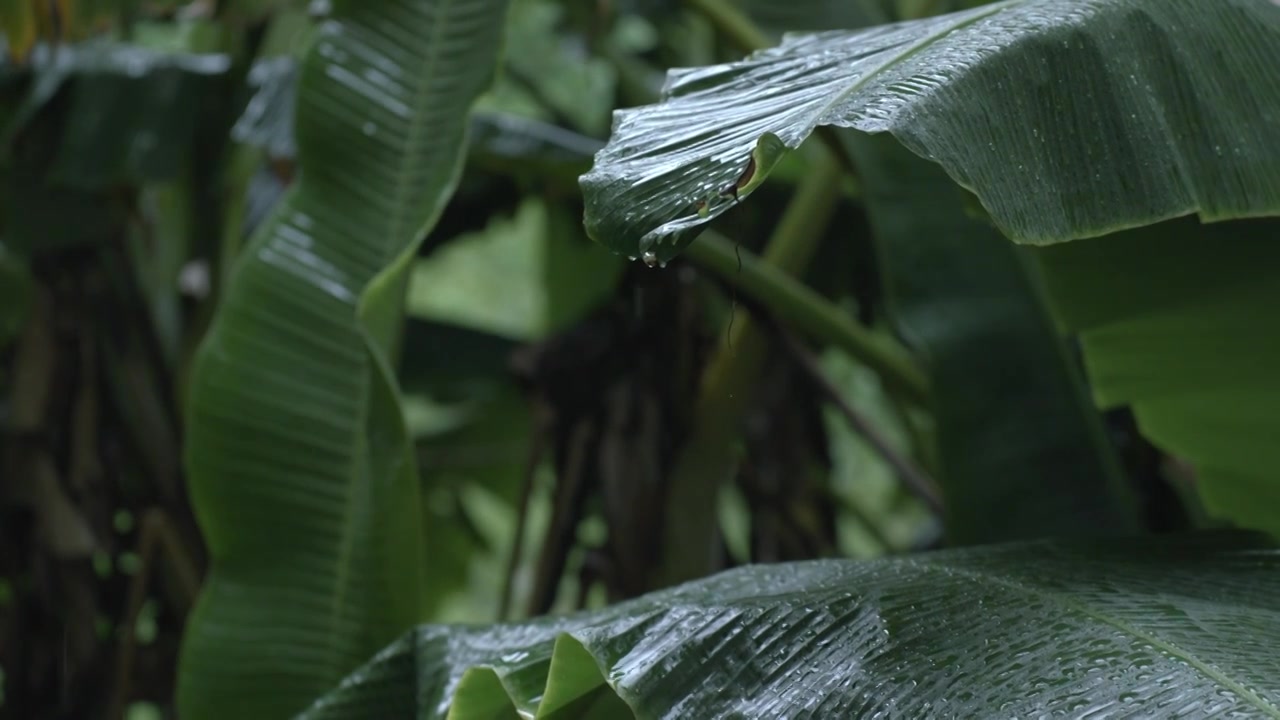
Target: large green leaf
{"x":1068,"y":118}
{"x":1172,"y":627}
{"x":1177,"y":320}
{"x":297,"y":455}
{"x":1021,"y":449}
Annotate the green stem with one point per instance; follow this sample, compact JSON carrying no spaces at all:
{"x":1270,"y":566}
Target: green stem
{"x":794,"y":304}
{"x":707,"y":458}
{"x":730,"y":22}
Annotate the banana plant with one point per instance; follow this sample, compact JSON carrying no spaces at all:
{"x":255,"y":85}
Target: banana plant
{"x":1083,"y":129}
{"x":299,"y":464}
{"x":1068,"y":121}
{"x":1176,"y":627}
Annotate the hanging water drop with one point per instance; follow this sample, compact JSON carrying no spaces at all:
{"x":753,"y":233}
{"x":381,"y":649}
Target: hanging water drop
{"x":650,"y":258}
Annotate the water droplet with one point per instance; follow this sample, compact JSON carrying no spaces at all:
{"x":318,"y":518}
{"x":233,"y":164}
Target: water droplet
{"x":370,"y":129}
{"x":650,"y":258}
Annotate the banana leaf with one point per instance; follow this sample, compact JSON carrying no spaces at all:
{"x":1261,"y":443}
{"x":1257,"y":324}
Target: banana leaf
{"x":1067,"y":118}
{"x":1008,"y":402}
{"x":1155,"y":627}
{"x":299,"y":463}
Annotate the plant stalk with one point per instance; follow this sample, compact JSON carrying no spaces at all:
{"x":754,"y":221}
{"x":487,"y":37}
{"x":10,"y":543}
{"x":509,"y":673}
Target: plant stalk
{"x":911,"y":476}
{"x":730,"y":22}
{"x":794,"y":304}
{"x":708,"y":457}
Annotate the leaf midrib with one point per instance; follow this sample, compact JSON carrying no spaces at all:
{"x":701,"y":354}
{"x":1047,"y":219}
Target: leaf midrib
{"x":399,"y":214}
{"x":910,"y":50}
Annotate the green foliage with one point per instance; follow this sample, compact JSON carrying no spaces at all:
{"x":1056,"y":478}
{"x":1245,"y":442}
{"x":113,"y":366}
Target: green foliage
{"x":1015,"y":429}
{"x":1049,"y":161}
{"x":16,"y":287}
{"x":87,"y":119}
{"x":649,"y":424}
{"x":1067,"y":119}
{"x":1167,"y":626}
{"x":1174,"y":320}
{"x":299,"y":463}
{"x":503,"y":280}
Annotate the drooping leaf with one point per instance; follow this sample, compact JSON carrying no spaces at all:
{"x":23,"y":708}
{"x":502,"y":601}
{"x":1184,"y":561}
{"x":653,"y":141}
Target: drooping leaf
{"x":1177,"y":320}
{"x":1007,"y":405}
{"x":1169,"y":627}
{"x":1020,"y":447}
{"x":1067,"y":118}
{"x":299,"y":463}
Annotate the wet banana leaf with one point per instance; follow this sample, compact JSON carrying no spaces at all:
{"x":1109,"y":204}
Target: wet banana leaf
{"x":1168,"y":627}
{"x":298,"y":459}
{"x":1067,"y":118}
{"x":1022,"y":453}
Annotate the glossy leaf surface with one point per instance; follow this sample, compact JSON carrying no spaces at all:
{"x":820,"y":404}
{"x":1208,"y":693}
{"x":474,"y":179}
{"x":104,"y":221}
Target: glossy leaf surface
{"x":297,"y":455}
{"x":1170,"y":627}
{"x":1067,"y":118}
